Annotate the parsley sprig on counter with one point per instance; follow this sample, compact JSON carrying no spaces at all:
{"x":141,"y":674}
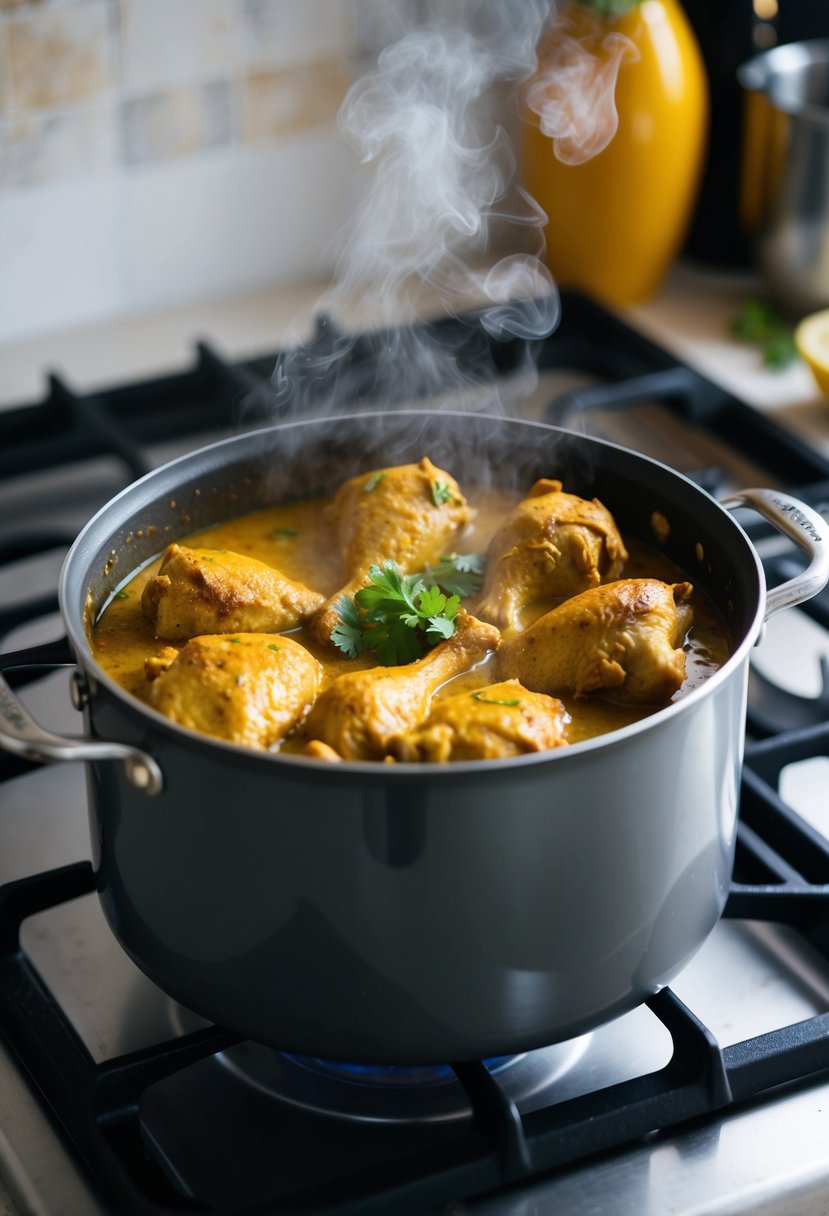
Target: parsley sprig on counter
{"x":758,"y":323}
{"x":398,"y":615}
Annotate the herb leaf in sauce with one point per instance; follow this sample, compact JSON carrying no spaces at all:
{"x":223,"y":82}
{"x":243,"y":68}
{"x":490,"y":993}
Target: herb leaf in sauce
{"x":441,"y":492}
{"x":374,"y":481}
{"x":479,"y":696}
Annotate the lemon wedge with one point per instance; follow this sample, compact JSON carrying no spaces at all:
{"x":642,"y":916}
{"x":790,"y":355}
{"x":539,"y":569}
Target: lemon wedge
{"x":811,"y":337}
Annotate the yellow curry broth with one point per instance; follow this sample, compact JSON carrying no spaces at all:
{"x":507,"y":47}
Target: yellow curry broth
{"x":296,"y":539}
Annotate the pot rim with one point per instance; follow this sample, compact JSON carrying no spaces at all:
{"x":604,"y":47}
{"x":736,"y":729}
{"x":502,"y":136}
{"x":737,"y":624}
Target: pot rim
{"x":760,"y":73}
{"x":372,"y":769}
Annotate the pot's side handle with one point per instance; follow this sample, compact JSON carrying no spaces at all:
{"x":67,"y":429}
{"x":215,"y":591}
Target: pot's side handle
{"x":21,"y":735}
{"x":804,"y":526}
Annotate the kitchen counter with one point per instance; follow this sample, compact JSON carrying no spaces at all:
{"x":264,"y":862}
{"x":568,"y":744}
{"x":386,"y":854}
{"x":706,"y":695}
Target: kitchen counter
{"x":690,"y":316}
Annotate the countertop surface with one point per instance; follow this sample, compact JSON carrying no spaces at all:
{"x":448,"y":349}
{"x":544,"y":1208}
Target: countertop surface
{"x":690,"y":316}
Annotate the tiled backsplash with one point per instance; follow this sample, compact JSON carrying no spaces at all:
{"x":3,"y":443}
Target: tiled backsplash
{"x":146,"y":80}
{"x":155,"y":150}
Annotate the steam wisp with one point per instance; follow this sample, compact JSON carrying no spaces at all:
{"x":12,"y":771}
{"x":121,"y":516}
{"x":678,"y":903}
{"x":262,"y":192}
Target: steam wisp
{"x":442,"y":198}
{"x":573,"y":92}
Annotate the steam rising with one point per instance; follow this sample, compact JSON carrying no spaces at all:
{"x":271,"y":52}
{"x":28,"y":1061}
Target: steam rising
{"x":438,"y":172}
{"x":441,"y":199}
{"x":573,"y":93}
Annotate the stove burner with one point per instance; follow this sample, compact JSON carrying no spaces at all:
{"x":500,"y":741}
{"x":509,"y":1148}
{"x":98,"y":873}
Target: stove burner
{"x":392,"y":1093}
{"x":384,"y":1093}
{"x":397,"y":1076}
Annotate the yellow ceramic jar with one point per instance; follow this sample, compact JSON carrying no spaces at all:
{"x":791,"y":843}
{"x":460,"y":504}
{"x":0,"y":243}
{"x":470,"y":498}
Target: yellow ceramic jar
{"x":616,"y":222}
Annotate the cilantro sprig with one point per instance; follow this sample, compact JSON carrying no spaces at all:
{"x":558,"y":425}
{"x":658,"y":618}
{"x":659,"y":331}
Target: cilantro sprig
{"x":395,"y":615}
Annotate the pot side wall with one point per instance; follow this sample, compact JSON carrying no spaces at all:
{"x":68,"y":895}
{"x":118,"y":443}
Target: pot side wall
{"x":435,"y":919}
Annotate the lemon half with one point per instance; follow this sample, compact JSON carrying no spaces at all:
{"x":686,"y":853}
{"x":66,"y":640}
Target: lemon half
{"x":811,"y":337}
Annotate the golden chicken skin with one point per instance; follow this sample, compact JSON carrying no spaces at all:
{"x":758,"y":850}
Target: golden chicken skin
{"x":200,"y":591}
{"x":248,"y":688}
{"x":407,"y":514}
{"x":360,"y":711}
{"x":490,"y":723}
{"x":551,"y":545}
{"x":623,"y":637}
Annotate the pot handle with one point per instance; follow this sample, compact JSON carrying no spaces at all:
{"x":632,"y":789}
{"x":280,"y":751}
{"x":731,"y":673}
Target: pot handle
{"x":804,"y":526}
{"x":21,"y":735}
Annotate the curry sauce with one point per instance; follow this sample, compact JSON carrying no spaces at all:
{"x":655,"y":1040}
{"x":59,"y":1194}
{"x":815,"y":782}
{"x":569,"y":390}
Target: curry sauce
{"x":296,"y":539}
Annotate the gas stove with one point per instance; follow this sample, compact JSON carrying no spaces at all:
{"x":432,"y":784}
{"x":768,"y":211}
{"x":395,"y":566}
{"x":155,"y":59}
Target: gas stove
{"x":711,"y":1097}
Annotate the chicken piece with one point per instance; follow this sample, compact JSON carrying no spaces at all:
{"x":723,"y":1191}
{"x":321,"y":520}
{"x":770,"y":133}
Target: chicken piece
{"x":198,"y":591}
{"x":361,"y":710}
{"x":408,"y":514}
{"x":623,"y":637}
{"x":156,"y":663}
{"x":487,"y":724}
{"x":318,"y":750}
{"x":248,"y":688}
{"x":552,"y":544}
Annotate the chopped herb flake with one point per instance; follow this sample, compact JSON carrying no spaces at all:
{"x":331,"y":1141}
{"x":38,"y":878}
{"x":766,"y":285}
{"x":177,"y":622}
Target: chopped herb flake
{"x":374,"y":481}
{"x":441,"y":493}
{"x":284,"y":532}
{"x":479,"y":696}
{"x":273,"y":646}
{"x":122,"y":595}
{"x":235,"y":639}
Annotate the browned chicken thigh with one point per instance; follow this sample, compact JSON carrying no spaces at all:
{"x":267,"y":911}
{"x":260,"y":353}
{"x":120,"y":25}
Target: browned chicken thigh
{"x":552,"y":544}
{"x":487,"y":724}
{"x":624,"y":636}
{"x":248,"y":688}
{"x":407,"y":514}
{"x":361,"y":710}
{"x":198,"y":591}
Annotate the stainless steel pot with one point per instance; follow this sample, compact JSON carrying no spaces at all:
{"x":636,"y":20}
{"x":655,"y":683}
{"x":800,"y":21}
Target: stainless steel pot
{"x":785,"y":171}
{"x":404,"y":913}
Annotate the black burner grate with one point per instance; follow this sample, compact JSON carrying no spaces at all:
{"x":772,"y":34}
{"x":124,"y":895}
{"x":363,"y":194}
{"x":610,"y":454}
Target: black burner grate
{"x":782,"y":872}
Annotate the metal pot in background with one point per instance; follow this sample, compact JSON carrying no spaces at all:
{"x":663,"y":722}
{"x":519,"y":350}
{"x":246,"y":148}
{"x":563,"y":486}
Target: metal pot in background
{"x":784,"y":195}
{"x":729,"y":33}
